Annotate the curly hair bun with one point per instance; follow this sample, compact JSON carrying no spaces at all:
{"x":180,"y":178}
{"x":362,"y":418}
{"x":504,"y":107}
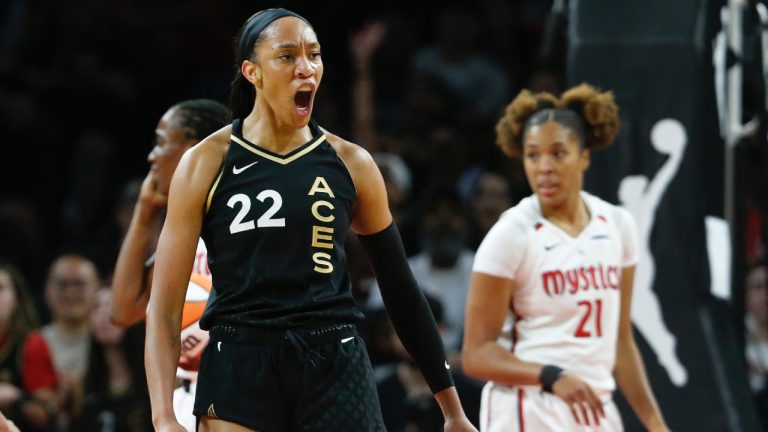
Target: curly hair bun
{"x":598,"y":109}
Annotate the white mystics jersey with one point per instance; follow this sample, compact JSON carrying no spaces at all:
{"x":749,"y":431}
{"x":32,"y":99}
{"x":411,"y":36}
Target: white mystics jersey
{"x":201,"y":260}
{"x":566,"y":301}
{"x":193,"y":338}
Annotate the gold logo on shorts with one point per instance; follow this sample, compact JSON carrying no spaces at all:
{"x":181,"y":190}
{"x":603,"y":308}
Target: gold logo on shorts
{"x":211,"y":411}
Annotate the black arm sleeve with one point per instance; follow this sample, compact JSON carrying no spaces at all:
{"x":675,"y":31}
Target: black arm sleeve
{"x":407,"y":307}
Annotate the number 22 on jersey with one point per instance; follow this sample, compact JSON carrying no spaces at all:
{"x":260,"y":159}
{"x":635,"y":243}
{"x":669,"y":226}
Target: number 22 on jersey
{"x":322,"y":236}
{"x":266,"y":220}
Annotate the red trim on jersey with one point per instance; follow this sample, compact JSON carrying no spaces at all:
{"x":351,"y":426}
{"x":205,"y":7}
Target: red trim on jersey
{"x":602,"y":218}
{"x":521,"y":419}
{"x":37,"y":372}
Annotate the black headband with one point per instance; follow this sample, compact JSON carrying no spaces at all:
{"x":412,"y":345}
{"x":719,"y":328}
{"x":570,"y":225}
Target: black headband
{"x":257,"y":23}
{"x":566,"y":117}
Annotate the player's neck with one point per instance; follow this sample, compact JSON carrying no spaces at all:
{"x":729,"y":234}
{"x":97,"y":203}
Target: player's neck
{"x":571,"y":216}
{"x":263,"y":128}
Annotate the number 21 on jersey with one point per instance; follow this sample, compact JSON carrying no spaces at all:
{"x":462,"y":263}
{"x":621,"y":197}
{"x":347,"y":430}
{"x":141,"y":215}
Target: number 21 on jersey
{"x":590,"y":324}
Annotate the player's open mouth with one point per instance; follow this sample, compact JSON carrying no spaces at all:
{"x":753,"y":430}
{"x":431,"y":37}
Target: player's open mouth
{"x":303,"y":101}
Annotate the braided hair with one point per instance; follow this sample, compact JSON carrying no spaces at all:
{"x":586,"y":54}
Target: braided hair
{"x":201,"y":117}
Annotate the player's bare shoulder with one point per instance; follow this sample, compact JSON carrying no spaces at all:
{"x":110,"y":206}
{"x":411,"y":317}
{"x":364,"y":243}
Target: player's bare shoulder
{"x":213,"y":147}
{"x":200,"y":163}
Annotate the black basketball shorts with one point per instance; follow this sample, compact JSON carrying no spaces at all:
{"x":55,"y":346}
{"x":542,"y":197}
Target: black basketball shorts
{"x":317,"y":380}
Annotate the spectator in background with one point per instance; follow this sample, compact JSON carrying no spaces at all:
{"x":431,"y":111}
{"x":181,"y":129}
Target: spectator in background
{"x":476,"y":86}
{"x":93,"y":158}
{"x":71,"y":294}
{"x":27,"y":376}
{"x":444,"y":266}
{"x":23,"y":246}
{"x":105,"y":247}
{"x":487,"y":195}
{"x":398,"y":182}
{"x":115,"y":387}
{"x":362,"y":45}
{"x":757,"y":336}
{"x":406,"y":401}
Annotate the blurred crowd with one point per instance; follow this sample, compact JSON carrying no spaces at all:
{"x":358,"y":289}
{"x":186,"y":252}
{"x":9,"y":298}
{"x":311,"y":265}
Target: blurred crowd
{"x":82,"y":85}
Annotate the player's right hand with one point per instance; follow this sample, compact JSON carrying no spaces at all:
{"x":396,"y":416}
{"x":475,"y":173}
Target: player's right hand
{"x":580,"y":397}
{"x":7,"y":425}
{"x":151,"y":201}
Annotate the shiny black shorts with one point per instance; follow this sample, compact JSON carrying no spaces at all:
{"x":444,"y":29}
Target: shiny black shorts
{"x":317,"y":379}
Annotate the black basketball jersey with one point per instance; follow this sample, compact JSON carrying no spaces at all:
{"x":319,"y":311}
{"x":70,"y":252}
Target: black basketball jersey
{"x":274,"y":229}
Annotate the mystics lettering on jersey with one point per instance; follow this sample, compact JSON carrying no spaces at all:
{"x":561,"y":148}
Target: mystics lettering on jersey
{"x":566,"y":300}
{"x":275,"y":227}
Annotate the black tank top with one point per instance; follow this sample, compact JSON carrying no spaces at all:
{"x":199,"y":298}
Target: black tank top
{"x":274,"y":229}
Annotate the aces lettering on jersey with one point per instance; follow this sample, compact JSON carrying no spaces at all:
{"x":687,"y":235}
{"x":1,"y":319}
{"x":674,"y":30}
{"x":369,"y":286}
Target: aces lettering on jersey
{"x":322,"y":213}
{"x":322,"y":235}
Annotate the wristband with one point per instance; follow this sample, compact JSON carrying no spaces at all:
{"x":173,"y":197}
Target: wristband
{"x":549,"y":374}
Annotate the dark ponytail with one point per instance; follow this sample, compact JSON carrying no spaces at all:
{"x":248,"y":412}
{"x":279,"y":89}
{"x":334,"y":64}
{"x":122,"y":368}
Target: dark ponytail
{"x":242,"y":94}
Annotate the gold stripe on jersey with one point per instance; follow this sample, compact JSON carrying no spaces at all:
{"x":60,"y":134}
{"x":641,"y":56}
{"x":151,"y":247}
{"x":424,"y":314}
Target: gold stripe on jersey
{"x":213,"y":189}
{"x":273,"y":158}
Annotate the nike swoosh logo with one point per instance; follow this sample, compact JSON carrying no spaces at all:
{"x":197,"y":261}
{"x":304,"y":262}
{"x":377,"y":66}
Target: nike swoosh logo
{"x":548,"y":248}
{"x":447,"y":366}
{"x":236,"y":170}
{"x":345,"y":340}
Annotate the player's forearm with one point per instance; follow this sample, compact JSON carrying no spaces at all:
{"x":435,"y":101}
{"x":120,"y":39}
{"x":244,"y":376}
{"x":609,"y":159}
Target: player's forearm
{"x":489,"y":361}
{"x":161,"y":356}
{"x":633,"y":383}
{"x":129,"y":293}
{"x":407,"y":307}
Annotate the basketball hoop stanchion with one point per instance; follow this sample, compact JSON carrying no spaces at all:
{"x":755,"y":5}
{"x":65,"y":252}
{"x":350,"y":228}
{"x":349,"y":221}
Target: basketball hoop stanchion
{"x":735,"y":129}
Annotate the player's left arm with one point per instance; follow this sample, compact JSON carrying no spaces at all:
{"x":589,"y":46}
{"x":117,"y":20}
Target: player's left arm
{"x":630,"y":371}
{"x":404,"y":301}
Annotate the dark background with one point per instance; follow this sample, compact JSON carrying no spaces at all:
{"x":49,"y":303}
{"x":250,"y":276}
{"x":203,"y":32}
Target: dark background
{"x":83,"y":84}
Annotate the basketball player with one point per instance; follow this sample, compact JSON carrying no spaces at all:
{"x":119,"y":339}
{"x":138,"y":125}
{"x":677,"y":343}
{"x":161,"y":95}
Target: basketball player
{"x":548,"y":313}
{"x":274,"y":196}
{"x":181,"y":127}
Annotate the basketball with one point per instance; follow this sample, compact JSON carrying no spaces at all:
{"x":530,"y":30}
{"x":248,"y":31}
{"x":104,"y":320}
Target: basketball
{"x":194,"y":339}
